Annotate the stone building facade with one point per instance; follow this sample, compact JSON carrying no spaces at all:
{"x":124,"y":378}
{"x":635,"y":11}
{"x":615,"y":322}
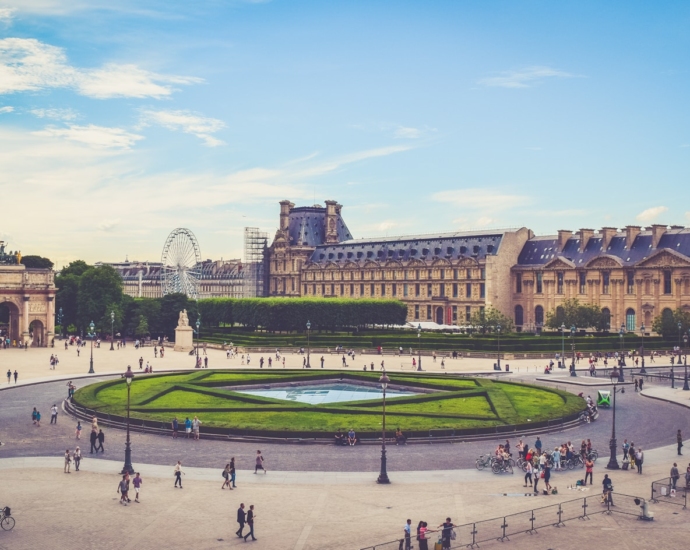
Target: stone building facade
{"x":633,"y":275}
{"x":28,"y":296}
{"x":443,"y":278}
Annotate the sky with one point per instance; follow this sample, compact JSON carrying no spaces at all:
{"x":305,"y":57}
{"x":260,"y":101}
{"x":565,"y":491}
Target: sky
{"x":120,"y":121}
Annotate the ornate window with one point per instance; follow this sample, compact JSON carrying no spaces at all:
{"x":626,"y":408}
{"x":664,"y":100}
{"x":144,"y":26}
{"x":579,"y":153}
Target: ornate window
{"x":539,"y":315}
{"x":630,"y":324}
{"x":519,"y":316}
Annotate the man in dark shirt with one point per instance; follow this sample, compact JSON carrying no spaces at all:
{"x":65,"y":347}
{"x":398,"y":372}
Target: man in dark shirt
{"x":250,"y":521}
{"x":101,"y":439}
{"x":608,"y":489}
{"x":446,"y":533}
{"x":240,"y":519}
{"x":94,"y":438}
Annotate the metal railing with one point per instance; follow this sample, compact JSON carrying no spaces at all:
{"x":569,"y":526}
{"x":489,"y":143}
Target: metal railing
{"x":663,"y":491}
{"x":501,"y":528}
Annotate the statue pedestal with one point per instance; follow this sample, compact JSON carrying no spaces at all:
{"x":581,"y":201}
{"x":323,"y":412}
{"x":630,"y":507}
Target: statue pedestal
{"x":184,"y":339}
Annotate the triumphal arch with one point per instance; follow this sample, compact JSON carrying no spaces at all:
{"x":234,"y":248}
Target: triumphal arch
{"x":28,"y":295}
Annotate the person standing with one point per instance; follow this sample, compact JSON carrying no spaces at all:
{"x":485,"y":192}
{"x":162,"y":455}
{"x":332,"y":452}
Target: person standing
{"x":423,"y":540}
{"x":9,"y":375}
{"x":679,"y":439}
{"x":187,"y":427}
{"x":195,"y":427}
{"x":407,"y":534}
{"x":537,"y":445}
{"x":68,"y":461}
{"x":122,"y":489}
{"x":607,"y":485}
{"x":77,"y":458}
{"x":446,"y":533}
{"x":175,"y":427}
{"x":16,"y":374}
{"x":101,"y":439}
{"x":33,"y":415}
{"x":38,"y":418}
{"x":259,"y":462}
{"x":53,"y":414}
{"x":528,"y":473}
{"x":536,"y":477}
{"x":137,"y":482}
{"x":675,"y":475}
{"x":94,"y":439}
{"x":77,"y":431}
{"x":178,"y":474}
{"x":589,"y":465}
{"x":547,"y":478}
{"x":626,"y":448}
{"x":639,"y":459}
{"x":232,"y":472}
{"x":241,"y":518}
{"x":251,"y":517}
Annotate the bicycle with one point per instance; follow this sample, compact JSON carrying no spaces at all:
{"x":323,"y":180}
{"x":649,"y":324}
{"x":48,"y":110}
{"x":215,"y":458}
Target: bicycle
{"x":6,"y":519}
{"x":501,"y":467}
{"x":575,"y":461}
{"x":483,"y":461}
{"x":593,"y":455}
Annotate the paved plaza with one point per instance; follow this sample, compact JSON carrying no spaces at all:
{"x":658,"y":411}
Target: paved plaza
{"x":314,"y":496}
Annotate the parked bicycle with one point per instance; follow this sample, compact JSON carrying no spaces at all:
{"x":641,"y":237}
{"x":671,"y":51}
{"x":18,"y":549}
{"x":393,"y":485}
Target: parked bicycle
{"x":6,"y":519}
{"x":501,"y":467}
{"x":484,"y":461}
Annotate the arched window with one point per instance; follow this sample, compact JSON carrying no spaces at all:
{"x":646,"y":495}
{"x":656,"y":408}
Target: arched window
{"x":630,"y":324}
{"x":519,"y":316}
{"x":539,"y":315}
{"x":606,"y":317}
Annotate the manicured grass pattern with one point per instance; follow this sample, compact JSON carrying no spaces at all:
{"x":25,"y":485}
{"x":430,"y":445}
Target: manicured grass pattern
{"x":456,"y":405}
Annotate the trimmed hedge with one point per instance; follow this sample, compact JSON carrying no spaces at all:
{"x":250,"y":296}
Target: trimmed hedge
{"x":293,"y":313}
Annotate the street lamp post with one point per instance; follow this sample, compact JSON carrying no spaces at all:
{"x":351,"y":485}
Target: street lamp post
{"x":563,"y":345}
{"x":62,"y":329}
{"x":613,"y":461}
{"x":112,"y":331}
{"x":498,"y":353}
{"x":572,"y":344}
{"x":308,"y":345}
{"x":419,"y":349}
{"x":680,"y":326}
{"x":383,"y":475}
{"x":128,"y":468}
{"x":198,"y":326}
{"x":686,"y":387}
{"x":642,"y":370}
{"x":91,"y":334}
{"x":621,"y":377}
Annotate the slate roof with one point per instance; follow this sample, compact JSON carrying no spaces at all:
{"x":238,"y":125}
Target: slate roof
{"x":307,"y":226}
{"x":541,"y":250}
{"x":450,"y":246}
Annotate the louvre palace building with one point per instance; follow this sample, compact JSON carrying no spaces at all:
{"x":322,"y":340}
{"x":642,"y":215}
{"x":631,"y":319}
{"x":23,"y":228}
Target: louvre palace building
{"x":633,"y":274}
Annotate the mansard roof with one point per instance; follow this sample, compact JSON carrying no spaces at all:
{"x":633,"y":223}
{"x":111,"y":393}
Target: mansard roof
{"x":449,"y":246}
{"x":307,"y":226}
{"x":539,"y":251}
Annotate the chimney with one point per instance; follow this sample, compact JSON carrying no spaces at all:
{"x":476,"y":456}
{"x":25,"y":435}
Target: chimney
{"x":657,"y":231}
{"x":563,"y":236}
{"x":585,"y":235}
{"x":631,"y":232}
{"x":285,"y":208}
{"x":332,"y":212}
{"x":607,"y":233}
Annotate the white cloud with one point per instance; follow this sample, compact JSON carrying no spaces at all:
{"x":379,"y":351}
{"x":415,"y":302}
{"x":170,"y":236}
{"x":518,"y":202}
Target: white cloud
{"x":408,"y":133}
{"x":27,"y":64}
{"x":109,"y":225}
{"x":6,"y":15}
{"x":524,"y":78}
{"x":651,"y":213}
{"x":7,"y":109}
{"x":480,"y":199}
{"x":188,"y":122}
{"x":99,"y":137}
{"x":55,"y":114}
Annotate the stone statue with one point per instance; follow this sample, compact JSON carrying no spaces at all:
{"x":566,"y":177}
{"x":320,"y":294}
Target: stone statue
{"x":183,"y":320}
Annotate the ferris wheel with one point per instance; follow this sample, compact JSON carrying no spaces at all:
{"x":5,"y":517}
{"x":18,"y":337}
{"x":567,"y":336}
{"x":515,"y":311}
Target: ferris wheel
{"x":181,"y":259}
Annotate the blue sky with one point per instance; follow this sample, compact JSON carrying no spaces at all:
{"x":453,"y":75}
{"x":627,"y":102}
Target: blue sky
{"x":118,"y":124}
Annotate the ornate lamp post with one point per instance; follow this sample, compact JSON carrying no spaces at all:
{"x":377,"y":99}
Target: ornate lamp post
{"x":383,"y":475}
{"x":680,"y":326}
{"x":572,"y":343}
{"x":198,"y":326}
{"x":642,"y":370}
{"x":419,"y":349}
{"x":128,"y":468}
{"x":613,"y":461}
{"x":60,"y":317}
{"x":621,"y":377}
{"x":498,"y":353}
{"x":112,"y":331}
{"x":686,"y":387}
{"x":91,"y":335}
{"x":308,"y":345}
{"x":563,"y":344}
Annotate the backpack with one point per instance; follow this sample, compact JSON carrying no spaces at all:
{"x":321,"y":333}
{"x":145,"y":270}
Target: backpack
{"x":224,"y":474}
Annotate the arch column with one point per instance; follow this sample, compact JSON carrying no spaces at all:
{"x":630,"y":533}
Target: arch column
{"x":50,"y":321}
{"x":25,"y":320}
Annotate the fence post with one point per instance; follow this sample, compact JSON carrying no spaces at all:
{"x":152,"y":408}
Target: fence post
{"x":532,"y":530}
{"x":560,"y":516}
{"x":584,"y":509}
{"x":474,"y":535}
{"x":503,"y":527}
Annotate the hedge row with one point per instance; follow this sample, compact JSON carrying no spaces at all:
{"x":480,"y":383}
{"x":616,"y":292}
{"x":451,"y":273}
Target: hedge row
{"x":293,"y":313}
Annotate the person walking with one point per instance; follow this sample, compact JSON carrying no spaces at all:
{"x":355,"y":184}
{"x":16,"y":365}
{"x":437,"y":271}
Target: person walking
{"x":137,"y":482}
{"x":122,"y":489}
{"x":77,"y":431}
{"x":53,"y":414}
{"x":639,"y":459}
{"x":33,"y":416}
{"x":675,"y":475}
{"x":68,"y":461}
{"x":679,"y":439}
{"x":407,"y":534}
{"x":101,"y":439}
{"x":589,"y":465}
{"x":94,"y":438}
{"x":232,"y":472}
{"x":241,"y":519}
{"x":16,"y":374}
{"x":77,"y":458}
{"x":536,"y":477}
{"x":251,"y":517}
{"x":626,"y":448}
{"x":259,"y":462}
{"x":226,"y":477}
{"x":547,"y":478}
{"x":528,"y":473}
{"x":178,"y":474}
{"x":38,"y":419}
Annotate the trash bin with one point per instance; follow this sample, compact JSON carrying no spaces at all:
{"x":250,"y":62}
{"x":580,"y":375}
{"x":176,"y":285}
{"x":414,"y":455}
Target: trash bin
{"x":507,"y":367}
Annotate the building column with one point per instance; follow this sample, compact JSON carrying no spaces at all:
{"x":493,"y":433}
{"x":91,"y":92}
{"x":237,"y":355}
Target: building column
{"x":50,"y":321}
{"x":25,"y":320}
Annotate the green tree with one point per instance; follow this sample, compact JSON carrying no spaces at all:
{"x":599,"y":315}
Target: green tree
{"x":67,"y":283}
{"x":572,"y":313}
{"x":37,"y":262}
{"x":99,"y":287}
{"x":666,"y":324}
{"x":143,"y":327}
{"x":488,"y":319}
{"x":170,"y":307}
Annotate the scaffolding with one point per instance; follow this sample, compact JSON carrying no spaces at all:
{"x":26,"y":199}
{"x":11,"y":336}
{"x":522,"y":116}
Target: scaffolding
{"x":255,"y":244}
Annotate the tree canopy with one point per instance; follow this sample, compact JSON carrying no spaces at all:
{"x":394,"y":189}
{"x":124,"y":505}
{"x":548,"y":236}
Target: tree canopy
{"x":666,"y":324}
{"x":489,"y":319}
{"x":573,"y":313}
{"x":37,"y":262}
